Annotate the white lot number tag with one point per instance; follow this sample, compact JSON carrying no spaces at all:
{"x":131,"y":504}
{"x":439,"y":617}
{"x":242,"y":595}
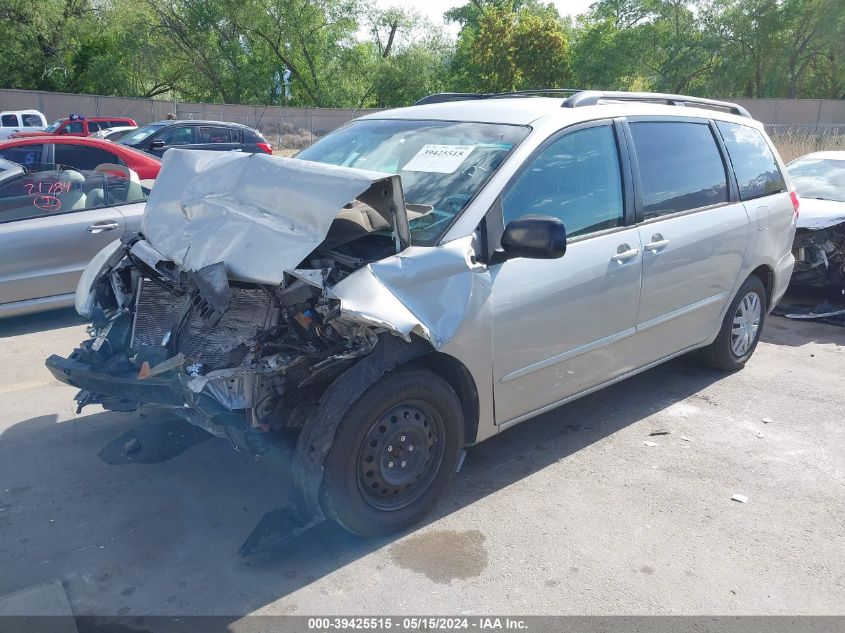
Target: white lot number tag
{"x":439,"y":159}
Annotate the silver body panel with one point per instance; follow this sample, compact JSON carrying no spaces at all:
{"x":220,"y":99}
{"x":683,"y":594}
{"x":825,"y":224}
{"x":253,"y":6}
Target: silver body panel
{"x":41,"y":259}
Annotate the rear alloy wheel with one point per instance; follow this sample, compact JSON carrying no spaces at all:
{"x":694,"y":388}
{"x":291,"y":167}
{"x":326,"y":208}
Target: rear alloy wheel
{"x":393,"y":454}
{"x":741,"y":328}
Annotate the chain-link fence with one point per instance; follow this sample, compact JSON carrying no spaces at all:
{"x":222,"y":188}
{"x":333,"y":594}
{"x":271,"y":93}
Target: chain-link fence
{"x":793,"y":141}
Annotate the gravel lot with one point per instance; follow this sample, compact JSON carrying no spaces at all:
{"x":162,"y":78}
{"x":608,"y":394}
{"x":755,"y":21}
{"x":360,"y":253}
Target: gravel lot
{"x":570,"y":513}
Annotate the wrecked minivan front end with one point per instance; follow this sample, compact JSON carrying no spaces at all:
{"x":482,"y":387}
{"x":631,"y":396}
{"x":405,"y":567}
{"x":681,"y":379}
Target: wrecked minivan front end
{"x":245,"y":348}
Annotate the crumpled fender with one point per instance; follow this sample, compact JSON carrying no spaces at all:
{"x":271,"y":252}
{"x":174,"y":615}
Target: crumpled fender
{"x":425,"y":291}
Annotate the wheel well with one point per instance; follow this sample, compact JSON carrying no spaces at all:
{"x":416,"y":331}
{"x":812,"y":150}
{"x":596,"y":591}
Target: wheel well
{"x":458,"y":376}
{"x":767,"y":276}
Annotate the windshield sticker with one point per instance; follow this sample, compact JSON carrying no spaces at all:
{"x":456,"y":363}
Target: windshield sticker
{"x":439,"y":159}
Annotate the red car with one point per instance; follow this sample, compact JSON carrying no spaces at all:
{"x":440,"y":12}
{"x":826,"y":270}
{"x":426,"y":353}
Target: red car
{"x":76,"y":125}
{"x":79,"y":153}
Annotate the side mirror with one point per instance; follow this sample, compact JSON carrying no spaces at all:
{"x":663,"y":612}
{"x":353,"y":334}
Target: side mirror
{"x":534,"y":237}
{"x":157,"y":144}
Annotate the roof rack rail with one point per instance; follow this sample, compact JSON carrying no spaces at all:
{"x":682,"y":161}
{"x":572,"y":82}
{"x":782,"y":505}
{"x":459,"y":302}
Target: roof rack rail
{"x":443,"y":97}
{"x":594,"y":97}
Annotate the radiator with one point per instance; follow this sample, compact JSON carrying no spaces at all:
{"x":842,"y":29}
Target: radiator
{"x":216,"y":347}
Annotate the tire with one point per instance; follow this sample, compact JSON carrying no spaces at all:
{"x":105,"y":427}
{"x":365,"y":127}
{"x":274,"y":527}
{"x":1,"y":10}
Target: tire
{"x":370,"y":490}
{"x":726,"y":352}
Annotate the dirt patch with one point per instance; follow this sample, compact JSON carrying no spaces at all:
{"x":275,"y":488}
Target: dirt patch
{"x":442,"y":556}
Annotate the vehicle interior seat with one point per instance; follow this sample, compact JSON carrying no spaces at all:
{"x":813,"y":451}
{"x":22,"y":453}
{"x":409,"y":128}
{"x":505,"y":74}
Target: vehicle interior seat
{"x":75,"y":197}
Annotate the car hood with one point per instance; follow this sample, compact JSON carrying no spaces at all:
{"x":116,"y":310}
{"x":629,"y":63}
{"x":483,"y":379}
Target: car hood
{"x":258,"y":214}
{"x":819,"y":214}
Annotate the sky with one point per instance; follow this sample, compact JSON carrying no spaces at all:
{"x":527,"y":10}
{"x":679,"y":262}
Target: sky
{"x":434,"y":9}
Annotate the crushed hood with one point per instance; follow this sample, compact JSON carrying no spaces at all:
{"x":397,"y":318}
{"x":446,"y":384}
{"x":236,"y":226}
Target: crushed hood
{"x":819,"y":214}
{"x":258,"y":214}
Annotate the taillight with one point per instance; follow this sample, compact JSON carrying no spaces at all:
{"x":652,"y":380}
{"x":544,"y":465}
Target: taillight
{"x":795,"y":202}
{"x":265,"y":147}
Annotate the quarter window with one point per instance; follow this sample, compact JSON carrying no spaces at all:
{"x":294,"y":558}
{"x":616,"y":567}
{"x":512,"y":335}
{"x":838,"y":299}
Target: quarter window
{"x":680,"y":166}
{"x":754,"y":164}
{"x":576,"y":179}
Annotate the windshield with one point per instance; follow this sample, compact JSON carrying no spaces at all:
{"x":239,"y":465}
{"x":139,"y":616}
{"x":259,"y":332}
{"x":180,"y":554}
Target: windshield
{"x":819,"y":178}
{"x":140,"y":134}
{"x":443,"y":164}
{"x":54,"y":125}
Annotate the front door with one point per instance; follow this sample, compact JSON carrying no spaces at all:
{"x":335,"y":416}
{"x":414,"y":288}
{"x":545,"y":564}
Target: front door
{"x":562,"y":326}
{"x":694,"y":236}
{"x":49,"y":232}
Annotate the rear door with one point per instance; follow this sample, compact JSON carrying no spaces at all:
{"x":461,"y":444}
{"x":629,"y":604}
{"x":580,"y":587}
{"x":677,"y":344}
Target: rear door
{"x":51,"y":224}
{"x":562,"y":326}
{"x":693,"y":229}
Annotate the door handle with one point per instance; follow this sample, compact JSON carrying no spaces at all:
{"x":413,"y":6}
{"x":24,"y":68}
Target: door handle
{"x":100,"y":227}
{"x":657,"y":242}
{"x":624,"y":253}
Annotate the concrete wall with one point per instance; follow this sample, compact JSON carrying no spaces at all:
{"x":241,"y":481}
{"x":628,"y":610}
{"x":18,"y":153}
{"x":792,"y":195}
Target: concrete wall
{"x":272,"y":119}
{"x":317,"y":121}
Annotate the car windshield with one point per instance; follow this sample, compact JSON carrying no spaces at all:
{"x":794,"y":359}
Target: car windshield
{"x":819,"y":178}
{"x":54,"y":125}
{"x":443,"y":164}
{"x":140,"y":134}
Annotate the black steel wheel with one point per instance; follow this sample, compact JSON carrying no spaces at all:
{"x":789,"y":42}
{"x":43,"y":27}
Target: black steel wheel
{"x":400,"y":455}
{"x":393,"y":454}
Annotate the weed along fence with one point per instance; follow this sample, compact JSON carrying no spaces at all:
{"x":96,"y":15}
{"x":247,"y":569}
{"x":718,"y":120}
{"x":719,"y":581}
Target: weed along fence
{"x":798,"y":126}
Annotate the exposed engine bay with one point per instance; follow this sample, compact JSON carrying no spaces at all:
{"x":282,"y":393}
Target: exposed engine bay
{"x":237,"y":359}
{"x":820,"y":257}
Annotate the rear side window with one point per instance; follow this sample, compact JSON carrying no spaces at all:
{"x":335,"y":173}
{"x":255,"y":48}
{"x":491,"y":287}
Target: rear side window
{"x":9,"y":120}
{"x":83,"y":157}
{"x":576,"y":179}
{"x":754,"y":164}
{"x":116,"y":124}
{"x":680,"y":166}
{"x":218,"y":135}
{"x":30,"y":120}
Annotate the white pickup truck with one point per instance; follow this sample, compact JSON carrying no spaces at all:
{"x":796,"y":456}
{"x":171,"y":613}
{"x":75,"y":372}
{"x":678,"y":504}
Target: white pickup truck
{"x":12,"y":121}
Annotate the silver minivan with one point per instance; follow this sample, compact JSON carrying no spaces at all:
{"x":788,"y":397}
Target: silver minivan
{"x":424,"y":278}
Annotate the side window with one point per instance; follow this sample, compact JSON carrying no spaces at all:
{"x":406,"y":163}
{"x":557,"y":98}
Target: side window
{"x":217,"y":135}
{"x":74,"y":127}
{"x":30,"y":120}
{"x":23,"y":154}
{"x":576,"y":178}
{"x":680,"y":166}
{"x":115,"y":124}
{"x":179,"y":135}
{"x":82,"y":156}
{"x":96,"y":126}
{"x":40,"y":193}
{"x":754,"y":164}
{"x":9,"y":120}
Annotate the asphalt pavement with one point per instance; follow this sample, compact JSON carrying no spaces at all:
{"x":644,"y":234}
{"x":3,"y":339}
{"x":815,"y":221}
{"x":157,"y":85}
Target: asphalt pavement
{"x":579,"y":511}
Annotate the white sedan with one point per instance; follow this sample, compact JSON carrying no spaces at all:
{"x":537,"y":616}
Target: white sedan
{"x":819,"y":247}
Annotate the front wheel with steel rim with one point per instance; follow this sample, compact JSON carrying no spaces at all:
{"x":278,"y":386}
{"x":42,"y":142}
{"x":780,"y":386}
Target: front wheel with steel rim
{"x":740,"y":329}
{"x":393,"y":454}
